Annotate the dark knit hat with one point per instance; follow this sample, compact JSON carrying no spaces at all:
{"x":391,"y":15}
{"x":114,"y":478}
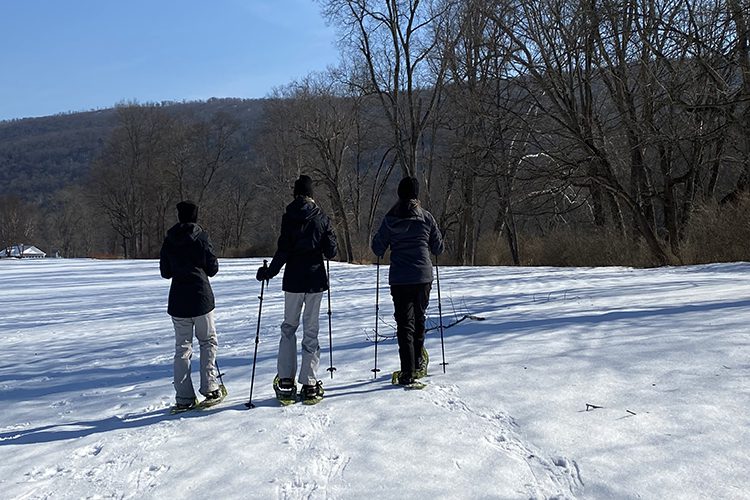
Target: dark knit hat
{"x":187,"y":211}
{"x":303,"y":186}
{"x":408,"y":188}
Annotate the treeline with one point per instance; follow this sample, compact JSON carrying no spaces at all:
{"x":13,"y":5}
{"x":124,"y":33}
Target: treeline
{"x":543,"y":132}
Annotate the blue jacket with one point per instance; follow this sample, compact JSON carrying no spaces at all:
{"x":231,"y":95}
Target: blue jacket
{"x":411,"y":233}
{"x":306,"y":237}
{"x":187,"y":258}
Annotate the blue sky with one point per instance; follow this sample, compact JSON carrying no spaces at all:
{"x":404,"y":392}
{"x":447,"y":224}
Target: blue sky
{"x":75,"y":55}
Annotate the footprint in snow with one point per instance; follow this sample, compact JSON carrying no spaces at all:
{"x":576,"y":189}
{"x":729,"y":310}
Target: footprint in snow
{"x":89,"y":451}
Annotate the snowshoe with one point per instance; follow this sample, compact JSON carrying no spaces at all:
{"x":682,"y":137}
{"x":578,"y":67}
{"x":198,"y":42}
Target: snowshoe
{"x":405,"y":382}
{"x":422,"y":365}
{"x":213,"y":398}
{"x":312,"y":394}
{"x":285,"y":389}
{"x":183,"y":407}
{"x":414,"y":385}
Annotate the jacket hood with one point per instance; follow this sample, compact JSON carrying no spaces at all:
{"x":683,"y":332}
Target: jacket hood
{"x":183,"y":234}
{"x":407,"y":209}
{"x":302,"y":208}
{"x":398,"y":218}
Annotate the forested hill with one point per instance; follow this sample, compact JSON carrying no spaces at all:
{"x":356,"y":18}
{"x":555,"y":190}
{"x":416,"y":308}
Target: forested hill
{"x":38,"y":156}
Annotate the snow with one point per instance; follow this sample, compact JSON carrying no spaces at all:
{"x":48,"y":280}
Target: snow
{"x":579,"y":383}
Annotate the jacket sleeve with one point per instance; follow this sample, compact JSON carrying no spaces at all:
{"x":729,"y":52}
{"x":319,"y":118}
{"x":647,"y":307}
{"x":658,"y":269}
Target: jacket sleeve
{"x":436,"y":238}
{"x":329,"y":244}
{"x":381,"y":240}
{"x":212,"y":263}
{"x":164,"y":267}
{"x":283,"y":248}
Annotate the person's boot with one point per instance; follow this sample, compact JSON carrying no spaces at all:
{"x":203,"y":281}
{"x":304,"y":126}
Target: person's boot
{"x":312,"y":394}
{"x":285,"y":389}
{"x":214,"y":397}
{"x":422,"y":363}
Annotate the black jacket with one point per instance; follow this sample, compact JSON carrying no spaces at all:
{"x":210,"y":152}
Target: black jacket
{"x":306,"y":238}
{"x":412,"y":234}
{"x":188,"y":259}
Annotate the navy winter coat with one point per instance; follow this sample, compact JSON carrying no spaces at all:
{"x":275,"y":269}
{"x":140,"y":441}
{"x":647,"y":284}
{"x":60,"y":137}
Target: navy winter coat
{"x":187,"y":257}
{"x":306,"y":238}
{"x":412,"y":234}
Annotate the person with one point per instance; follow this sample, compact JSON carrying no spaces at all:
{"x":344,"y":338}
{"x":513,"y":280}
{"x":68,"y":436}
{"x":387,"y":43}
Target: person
{"x":411,"y":233}
{"x":306,"y":238}
{"x":187,"y":258}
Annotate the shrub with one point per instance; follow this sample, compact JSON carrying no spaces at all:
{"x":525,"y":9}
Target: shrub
{"x":718,"y":233}
{"x":567,"y":246}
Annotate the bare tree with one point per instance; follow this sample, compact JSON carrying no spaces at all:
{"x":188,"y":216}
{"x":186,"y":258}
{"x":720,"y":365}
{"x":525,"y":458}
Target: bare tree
{"x":70,"y":222}
{"x":199,"y":152}
{"x":740,"y":15}
{"x":17,"y":222}
{"x":325,"y":121}
{"x":397,"y":41}
{"x":124,"y":177}
{"x":482,"y":108}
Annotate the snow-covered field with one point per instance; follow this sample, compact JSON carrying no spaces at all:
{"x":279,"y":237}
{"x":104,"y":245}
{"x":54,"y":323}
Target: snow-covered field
{"x":578,"y":383}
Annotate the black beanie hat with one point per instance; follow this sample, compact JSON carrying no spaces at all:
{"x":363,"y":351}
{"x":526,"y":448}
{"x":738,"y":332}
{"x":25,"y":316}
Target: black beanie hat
{"x":187,"y":211}
{"x":408,"y":188}
{"x":303,"y":186}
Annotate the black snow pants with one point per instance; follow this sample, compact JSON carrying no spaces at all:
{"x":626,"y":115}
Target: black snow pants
{"x":410,"y":303}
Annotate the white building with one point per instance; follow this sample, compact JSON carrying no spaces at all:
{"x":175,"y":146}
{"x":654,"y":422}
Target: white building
{"x":23,"y":251}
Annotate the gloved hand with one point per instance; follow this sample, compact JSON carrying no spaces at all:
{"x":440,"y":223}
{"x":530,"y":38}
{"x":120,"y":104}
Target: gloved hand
{"x":263,"y":274}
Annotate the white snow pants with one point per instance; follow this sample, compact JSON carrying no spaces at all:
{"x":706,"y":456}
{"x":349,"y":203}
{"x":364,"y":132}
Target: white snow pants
{"x":287,"y":359}
{"x":205,"y":332}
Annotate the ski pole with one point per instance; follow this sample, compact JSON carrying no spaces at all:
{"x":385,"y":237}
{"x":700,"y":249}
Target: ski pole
{"x":440,"y":312}
{"x":377,"y":309}
{"x":330,"y":337}
{"x":249,"y":403}
{"x":221,"y":380}
{"x":222,"y":387}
